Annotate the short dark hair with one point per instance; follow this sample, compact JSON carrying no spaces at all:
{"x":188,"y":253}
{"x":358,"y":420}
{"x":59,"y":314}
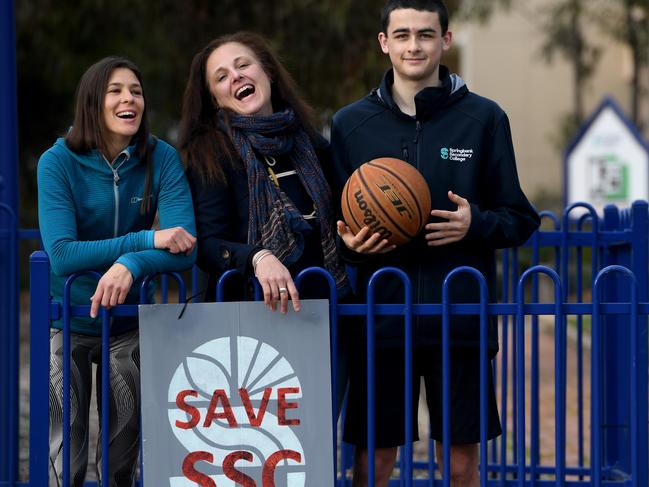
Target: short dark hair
{"x":428,"y":5}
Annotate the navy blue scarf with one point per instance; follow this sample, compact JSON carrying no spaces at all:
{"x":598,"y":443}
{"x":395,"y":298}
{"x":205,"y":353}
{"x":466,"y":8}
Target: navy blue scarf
{"x":273,"y":220}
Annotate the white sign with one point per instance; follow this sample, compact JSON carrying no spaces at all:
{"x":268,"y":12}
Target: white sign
{"x":608,"y":163}
{"x":233,"y":394}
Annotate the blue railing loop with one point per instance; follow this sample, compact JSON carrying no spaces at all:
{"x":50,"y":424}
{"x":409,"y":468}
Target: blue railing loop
{"x":333,"y":321}
{"x":586,"y":206}
{"x":406,"y":451}
{"x":565,"y":247}
{"x":596,"y":360}
{"x":550,"y":215}
{"x":222,"y":282}
{"x":534,"y":373}
{"x":182,"y":289}
{"x":446,"y":370}
{"x":594,"y":247}
{"x":67,"y":315}
{"x":560,"y":380}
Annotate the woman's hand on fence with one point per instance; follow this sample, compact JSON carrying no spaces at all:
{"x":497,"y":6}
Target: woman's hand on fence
{"x":277,"y":283}
{"x":175,"y":240}
{"x":363,"y":242}
{"x":112,"y":288}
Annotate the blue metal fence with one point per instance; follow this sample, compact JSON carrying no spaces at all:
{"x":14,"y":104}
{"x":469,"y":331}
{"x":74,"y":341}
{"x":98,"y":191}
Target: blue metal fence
{"x":8,"y":245}
{"x":611,"y":438}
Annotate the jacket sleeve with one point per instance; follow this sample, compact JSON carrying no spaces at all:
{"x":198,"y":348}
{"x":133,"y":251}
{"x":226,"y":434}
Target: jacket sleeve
{"x":503,"y":217}
{"x":58,"y":225}
{"x":216,"y":205}
{"x":175,"y":209}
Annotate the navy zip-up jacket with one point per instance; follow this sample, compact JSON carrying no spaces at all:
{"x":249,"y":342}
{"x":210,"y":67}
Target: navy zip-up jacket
{"x":222,"y":216}
{"x":459,"y":142}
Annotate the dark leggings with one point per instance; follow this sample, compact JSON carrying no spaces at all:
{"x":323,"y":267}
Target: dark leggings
{"x":124,"y":406}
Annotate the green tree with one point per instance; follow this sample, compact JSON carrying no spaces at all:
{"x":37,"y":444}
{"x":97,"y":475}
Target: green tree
{"x":327,"y":45}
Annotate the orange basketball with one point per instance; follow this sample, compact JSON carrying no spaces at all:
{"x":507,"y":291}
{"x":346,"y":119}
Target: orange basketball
{"x":390,"y":197}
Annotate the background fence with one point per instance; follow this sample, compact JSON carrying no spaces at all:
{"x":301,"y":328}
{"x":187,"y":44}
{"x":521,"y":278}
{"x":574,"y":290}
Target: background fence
{"x":590,"y":292}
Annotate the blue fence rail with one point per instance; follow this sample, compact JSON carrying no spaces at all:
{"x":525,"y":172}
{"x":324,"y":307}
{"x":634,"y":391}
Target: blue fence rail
{"x":611,"y":434}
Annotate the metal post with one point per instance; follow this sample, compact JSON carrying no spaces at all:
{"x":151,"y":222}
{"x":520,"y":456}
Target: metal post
{"x":39,"y":267}
{"x":640,"y":259}
{"x":8,"y":246}
{"x":615,"y":337}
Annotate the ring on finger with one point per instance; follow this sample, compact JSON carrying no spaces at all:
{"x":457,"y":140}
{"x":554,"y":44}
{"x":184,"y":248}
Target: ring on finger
{"x":283,"y":290}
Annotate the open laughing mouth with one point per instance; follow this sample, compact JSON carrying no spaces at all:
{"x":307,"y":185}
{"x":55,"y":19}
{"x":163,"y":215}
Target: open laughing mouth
{"x":244,"y":92}
{"x":126,"y":115}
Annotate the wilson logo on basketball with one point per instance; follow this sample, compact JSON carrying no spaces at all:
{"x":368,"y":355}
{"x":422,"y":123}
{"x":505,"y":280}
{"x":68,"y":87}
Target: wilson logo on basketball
{"x":390,"y":197}
{"x":369,"y":217}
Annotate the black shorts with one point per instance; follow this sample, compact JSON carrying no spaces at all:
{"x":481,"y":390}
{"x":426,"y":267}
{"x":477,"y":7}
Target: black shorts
{"x":390,"y":397}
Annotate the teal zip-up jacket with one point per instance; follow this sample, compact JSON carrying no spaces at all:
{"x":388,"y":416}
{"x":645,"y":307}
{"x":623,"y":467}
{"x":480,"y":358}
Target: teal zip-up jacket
{"x":89,"y":217}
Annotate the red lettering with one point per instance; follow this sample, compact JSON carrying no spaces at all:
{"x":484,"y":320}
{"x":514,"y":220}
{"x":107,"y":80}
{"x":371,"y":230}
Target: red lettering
{"x":245,"y":399}
{"x":232,"y":473}
{"x":194,"y":475}
{"x":191,"y":410}
{"x":227,"y":414}
{"x":283,"y":405}
{"x":268,"y":473}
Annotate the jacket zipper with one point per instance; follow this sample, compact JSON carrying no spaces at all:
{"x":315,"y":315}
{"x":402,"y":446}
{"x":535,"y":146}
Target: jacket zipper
{"x":404,"y":149}
{"x":417,"y":160}
{"x":115,"y":190}
{"x":116,"y":194}
{"x":417,"y":131}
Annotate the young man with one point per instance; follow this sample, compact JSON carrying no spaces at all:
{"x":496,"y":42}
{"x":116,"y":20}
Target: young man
{"x":461,"y":143}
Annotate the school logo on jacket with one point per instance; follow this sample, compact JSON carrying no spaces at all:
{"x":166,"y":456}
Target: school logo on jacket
{"x":455,"y":154}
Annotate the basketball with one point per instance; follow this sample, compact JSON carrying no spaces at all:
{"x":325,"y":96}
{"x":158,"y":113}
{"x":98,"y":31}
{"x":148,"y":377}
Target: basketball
{"x":390,"y":197}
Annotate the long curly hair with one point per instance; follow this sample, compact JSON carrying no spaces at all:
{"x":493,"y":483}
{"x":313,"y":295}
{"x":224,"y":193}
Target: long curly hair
{"x":203,"y":145}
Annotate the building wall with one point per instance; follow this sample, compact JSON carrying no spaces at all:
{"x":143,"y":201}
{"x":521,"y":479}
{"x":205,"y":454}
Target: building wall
{"x":501,"y":60}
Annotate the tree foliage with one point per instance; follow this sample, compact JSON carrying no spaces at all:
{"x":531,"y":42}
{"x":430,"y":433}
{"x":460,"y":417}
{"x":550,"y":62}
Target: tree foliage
{"x":329,"y":46}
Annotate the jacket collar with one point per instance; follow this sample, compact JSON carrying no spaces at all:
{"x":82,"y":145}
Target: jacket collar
{"x":428,"y":100}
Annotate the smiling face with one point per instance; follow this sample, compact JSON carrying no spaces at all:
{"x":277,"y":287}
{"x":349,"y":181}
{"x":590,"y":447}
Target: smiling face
{"x":415,"y":43}
{"x":237,"y":80}
{"x":123,"y":108}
